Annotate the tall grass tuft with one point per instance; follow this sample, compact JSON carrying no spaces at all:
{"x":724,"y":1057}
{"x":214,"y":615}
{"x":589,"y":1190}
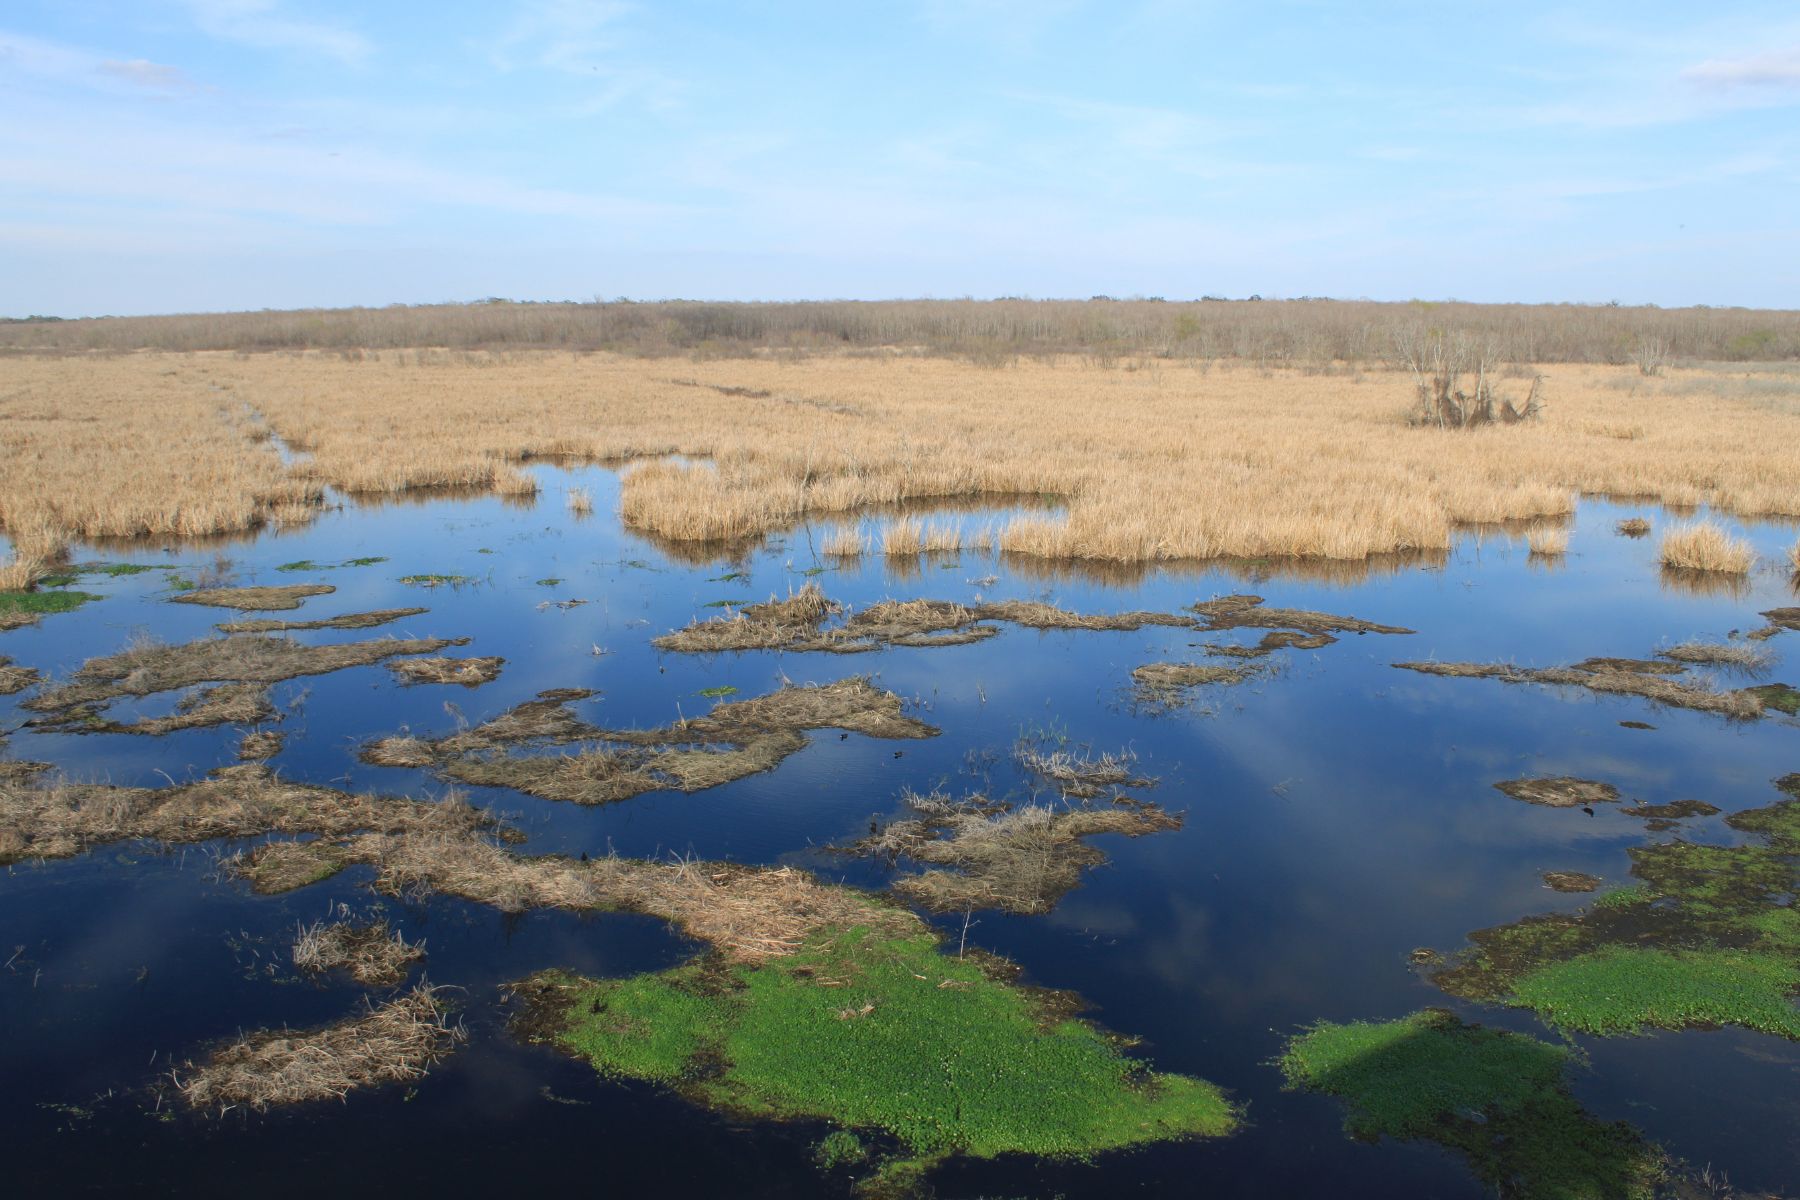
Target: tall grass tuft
{"x":581,"y":501}
{"x":903,"y":537}
{"x":1546,"y":542}
{"x":1705,"y":546}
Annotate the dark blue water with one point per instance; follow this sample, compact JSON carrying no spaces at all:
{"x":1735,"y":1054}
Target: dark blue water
{"x":1339,"y":813}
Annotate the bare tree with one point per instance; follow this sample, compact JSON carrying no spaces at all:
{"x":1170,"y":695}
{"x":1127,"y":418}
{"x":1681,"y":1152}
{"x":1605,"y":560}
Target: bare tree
{"x":1453,"y":374}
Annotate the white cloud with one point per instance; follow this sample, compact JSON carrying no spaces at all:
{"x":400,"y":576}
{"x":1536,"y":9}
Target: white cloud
{"x":156,"y":77}
{"x":262,"y":24}
{"x":1776,"y":68}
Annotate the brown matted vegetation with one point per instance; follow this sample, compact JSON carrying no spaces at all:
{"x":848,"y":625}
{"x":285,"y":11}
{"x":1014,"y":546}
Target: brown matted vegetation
{"x":362,"y":620}
{"x":388,"y":1043}
{"x":59,"y":819}
{"x":256,"y":599}
{"x":1168,"y":678}
{"x":14,"y":678}
{"x":981,"y":853}
{"x":735,"y":740}
{"x":469,"y":672}
{"x":224,"y":704}
{"x":260,"y":745}
{"x":1559,"y":791}
{"x":1604,"y":676}
{"x":147,"y":667}
{"x":1188,"y":462}
{"x":371,"y":953}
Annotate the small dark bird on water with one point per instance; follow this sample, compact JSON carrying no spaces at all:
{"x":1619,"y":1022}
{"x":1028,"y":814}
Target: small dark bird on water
{"x":843,"y":737}
{"x":584,"y":856}
{"x":898,"y":753}
{"x":1587,"y":809}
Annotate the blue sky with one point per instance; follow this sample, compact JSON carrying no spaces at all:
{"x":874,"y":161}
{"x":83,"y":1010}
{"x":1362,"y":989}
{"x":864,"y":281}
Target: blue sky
{"x":180,"y":155}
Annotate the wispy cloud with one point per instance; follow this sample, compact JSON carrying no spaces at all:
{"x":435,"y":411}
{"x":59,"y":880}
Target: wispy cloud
{"x":1774,"y":69}
{"x":588,"y":40}
{"x":263,"y":24}
{"x":141,"y":72}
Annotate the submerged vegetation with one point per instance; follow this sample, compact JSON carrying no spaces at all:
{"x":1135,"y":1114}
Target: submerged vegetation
{"x":878,"y":1031}
{"x":1498,"y":1099}
{"x":1706,"y":936}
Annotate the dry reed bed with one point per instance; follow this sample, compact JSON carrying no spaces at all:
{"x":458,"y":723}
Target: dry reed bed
{"x":391,"y":1043}
{"x":1165,"y":463}
{"x":1705,"y":546}
{"x":468,"y":672}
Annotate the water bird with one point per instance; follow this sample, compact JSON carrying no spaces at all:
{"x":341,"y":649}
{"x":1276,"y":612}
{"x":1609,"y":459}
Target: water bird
{"x":898,"y":753}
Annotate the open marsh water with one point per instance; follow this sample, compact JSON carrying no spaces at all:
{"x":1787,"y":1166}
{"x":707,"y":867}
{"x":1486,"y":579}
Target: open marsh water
{"x":1339,"y":813}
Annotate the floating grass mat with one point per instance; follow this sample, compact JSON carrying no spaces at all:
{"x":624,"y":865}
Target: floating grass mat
{"x":1610,"y":677}
{"x":1708,"y":935}
{"x":259,"y":599}
{"x":364,"y":620}
{"x":371,"y":954}
{"x":1778,"y":619}
{"x":981,"y":853}
{"x":468,"y":672}
{"x":15,"y":679}
{"x":223,"y":704}
{"x":1498,"y":1099}
{"x":799,"y":623}
{"x":148,"y":667}
{"x":735,"y":740}
{"x":398,"y":1041}
{"x":21,"y":608}
{"x":260,"y":745}
{"x":1167,"y":679}
{"x":1559,"y":791}
{"x":877,"y":1031}
{"x":62,"y":819}
{"x":1571,"y":881}
{"x":1079,"y":774}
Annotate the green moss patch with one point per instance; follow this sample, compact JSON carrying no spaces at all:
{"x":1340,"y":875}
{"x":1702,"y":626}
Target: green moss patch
{"x":1706,"y":935}
{"x":23,"y":608}
{"x":1778,"y":697}
{"x":429,"y":580}
{"x":1497,"y":1098}
{"x":880,"y":1032}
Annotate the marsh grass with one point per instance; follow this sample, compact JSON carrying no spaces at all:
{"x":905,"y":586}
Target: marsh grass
{"x":1633,"y":527}
{"x":255,"y":599}
{"x":1736,"y":655}
{"x":468,"y":672}
{"x":1608,"y":677}
{"x":371,"y":954}
{"x":1547,"y":542}
{"x":1706,"y":547}
{"x":391,"y":1043}
{"x":580,"y":501}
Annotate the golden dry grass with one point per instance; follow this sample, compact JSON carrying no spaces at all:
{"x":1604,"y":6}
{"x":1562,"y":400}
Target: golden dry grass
{"x":1705,"y":546}
{"x":580,"y":501}
{"x":1547,"y":542}
{"x":1165,"y":462}
{"x":1793,"y":557}
{"x":397,"y":1041}
{"x":371,"y":954}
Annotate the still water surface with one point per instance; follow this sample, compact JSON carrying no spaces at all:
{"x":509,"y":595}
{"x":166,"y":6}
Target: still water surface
{"x":1339,"y":813}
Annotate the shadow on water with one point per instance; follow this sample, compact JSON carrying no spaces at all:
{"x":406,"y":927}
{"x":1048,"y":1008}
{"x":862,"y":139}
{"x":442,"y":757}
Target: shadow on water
{"x":1336,"y":815}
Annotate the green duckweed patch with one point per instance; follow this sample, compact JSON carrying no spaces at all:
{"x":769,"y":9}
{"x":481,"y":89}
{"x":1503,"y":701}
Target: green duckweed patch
{"x":1704,"y":936}
{"x":112,"y":570}
{"x":1778,"y":697}
{"x":714,"y":693}
{"x":1499,"y":1099}
{"x":879,"y":1032}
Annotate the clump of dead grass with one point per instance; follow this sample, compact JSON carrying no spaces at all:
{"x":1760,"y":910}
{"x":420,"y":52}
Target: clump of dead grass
{"x":1166,"y":678}
{"x":1250,"y":612}
{"x":256,"y":599}
{"x":1793,"y":557}
{"x":904,"y":537}
{"x":259,"y":745}
{"x":987,"y":854}
{"x":1547,"y":542}
{"x":223,"y":704}
{"x":1599,"y":675}
{"x":469,"y":672}
{"x":1079,"y":774}
{"x":846,"y":541}
{"x":371,"y":954}
{"x":1560,"y":791}
{"x":1633,"y":527}
{"x":580,"y":501}
{"x":1707,"y":547}
{"x":1736,"y":655}
{"x":15,"y":679}
{"x":20,"y":571}
{"x":391,"y":1043}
